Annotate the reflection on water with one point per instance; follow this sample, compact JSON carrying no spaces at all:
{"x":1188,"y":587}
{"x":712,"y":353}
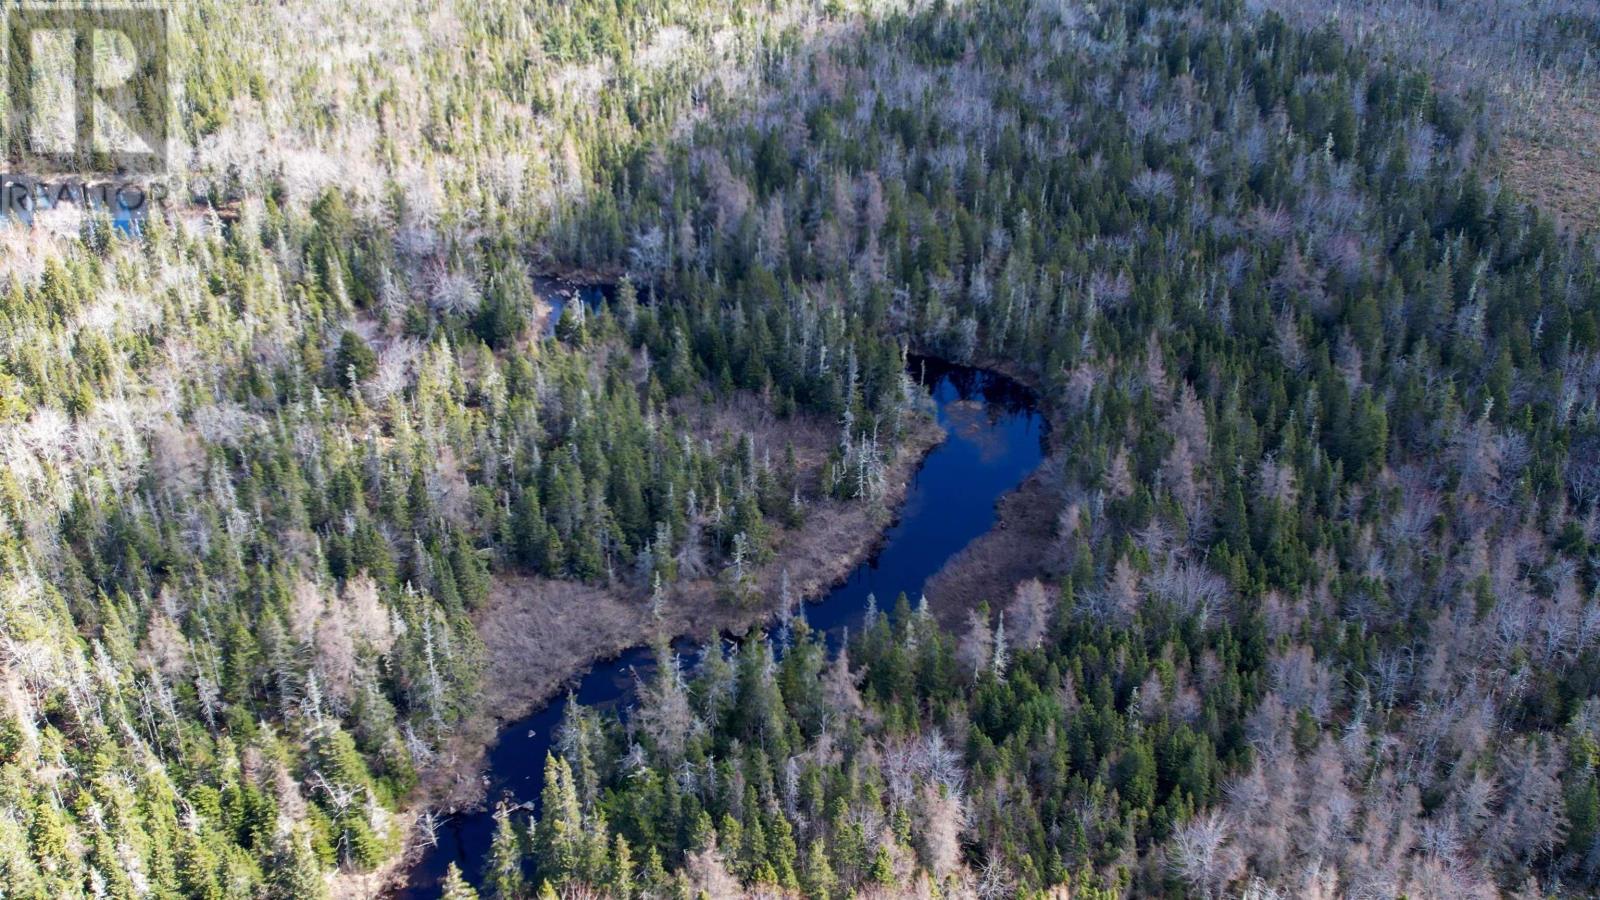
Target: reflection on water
{"x":557,"y":293}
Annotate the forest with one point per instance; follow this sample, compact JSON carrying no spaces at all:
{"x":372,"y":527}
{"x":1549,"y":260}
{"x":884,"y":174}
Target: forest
{"x":1319,"y":614}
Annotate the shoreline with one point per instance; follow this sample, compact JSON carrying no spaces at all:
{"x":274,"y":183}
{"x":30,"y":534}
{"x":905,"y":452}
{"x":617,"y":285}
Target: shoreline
{"x":1021,"y":545}
{"x":456,"y":784}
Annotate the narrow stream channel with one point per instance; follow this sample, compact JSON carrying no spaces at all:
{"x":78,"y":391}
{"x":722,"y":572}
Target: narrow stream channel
{"x":996,"y":439}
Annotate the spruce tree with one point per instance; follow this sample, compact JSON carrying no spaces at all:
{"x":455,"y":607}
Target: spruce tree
{"x":505,"y":879}
{"x":455,"y":886}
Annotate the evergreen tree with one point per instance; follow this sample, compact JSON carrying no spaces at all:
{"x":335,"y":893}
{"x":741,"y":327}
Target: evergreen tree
{"x":455,"y":887}
{"x":505,"y":879}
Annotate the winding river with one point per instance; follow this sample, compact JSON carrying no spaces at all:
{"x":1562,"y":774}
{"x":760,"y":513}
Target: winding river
{"x":996,"y":439}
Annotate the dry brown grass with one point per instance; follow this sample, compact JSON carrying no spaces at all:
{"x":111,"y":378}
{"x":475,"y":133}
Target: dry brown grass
{"x":539,"y":632}
{"x":1553,"y":159}
{"x":1020,"y":546}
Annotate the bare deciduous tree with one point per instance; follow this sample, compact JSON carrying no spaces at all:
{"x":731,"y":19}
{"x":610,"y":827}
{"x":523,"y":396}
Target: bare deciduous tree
{"x":1200,"y":853}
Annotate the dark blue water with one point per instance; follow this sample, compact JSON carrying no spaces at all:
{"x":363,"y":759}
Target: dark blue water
{"x":558,"y":292}
{"x":996,"y":439}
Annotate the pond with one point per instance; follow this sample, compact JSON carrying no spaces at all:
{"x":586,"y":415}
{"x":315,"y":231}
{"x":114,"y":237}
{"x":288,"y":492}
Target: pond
{"x":996,"y":439}
{"x":558,"y":292}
